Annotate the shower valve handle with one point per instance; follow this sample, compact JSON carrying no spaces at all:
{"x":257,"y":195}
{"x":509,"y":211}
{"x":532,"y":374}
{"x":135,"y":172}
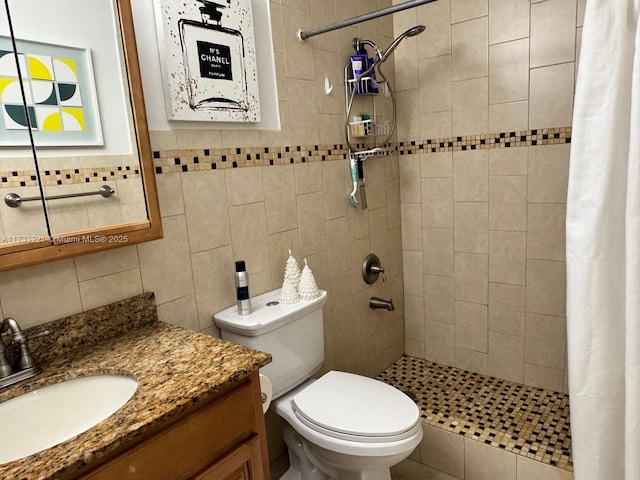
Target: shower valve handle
{"x":378,"y":269}
{"x":371,"y":269}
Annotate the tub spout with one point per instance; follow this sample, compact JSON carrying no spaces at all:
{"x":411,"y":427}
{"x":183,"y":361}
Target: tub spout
{"x":375,"y":302}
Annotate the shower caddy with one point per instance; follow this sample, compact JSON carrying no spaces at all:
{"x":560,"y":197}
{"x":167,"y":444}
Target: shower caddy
{"x":365,"y":131}
{"x":363,"y":135}
{"x":357,"y":84}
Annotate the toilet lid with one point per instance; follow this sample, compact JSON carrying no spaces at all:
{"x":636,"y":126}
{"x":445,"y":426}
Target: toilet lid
{"x":344,"y":403}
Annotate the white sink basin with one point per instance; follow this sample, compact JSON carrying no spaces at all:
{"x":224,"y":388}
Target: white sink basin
{"x":51,"y":415}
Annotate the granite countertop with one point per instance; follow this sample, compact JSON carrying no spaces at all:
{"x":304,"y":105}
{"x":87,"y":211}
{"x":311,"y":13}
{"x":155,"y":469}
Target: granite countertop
{"x":175,"y":369}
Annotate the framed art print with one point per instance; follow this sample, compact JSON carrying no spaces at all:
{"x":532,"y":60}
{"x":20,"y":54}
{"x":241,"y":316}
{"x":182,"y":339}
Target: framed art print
{"x":59,"y":90}
{"x":208,"y":60}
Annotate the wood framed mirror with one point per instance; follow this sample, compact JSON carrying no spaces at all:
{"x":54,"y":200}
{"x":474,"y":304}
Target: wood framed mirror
{"x":74,"y":140}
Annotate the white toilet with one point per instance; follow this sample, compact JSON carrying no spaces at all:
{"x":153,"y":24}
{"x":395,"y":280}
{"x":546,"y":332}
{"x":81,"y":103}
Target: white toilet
{"x":339,"y":427}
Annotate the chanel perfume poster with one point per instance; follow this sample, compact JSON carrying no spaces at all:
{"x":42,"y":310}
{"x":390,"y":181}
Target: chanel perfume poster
{"x":208,"y":58}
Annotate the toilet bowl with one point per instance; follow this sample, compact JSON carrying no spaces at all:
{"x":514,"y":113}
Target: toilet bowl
{"x":341,"y":426}
{"x":349,"y":427}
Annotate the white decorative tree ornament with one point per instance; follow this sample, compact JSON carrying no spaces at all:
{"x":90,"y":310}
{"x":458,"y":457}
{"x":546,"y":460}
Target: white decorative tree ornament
{"x":289,"y":292}
{"x":307,"y":287}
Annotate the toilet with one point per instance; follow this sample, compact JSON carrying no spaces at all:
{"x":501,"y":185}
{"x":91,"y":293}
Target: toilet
{"x":339,"y":427}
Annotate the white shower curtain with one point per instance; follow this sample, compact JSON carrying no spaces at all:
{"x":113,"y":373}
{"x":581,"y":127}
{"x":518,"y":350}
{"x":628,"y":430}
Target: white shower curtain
{"x":603,"y":246}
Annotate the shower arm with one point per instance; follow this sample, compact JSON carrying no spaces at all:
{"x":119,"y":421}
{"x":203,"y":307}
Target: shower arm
{"x":303,"y":35}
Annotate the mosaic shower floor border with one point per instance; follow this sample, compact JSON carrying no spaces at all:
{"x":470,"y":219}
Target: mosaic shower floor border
{"x":521,"y":419}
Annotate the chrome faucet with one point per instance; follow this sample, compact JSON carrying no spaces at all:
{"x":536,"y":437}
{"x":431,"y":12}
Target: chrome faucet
{"x":375,"y":302}
{"x":25,"y":366}
{"x":5,"y":366}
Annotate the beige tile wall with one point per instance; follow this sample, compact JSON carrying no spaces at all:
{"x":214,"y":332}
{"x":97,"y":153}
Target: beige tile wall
{"x":71,"y":214}
{"x":483,"y":231}
{"x":447,"y":456}
{"x":257,"y":214}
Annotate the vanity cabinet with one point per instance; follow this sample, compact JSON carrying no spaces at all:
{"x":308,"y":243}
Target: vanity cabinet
{"x":224,"y":439}
{"x":243,"y":463}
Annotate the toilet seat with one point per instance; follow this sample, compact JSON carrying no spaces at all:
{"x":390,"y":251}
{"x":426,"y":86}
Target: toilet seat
{"x":364,"y":447}
{"x":356,"y":408}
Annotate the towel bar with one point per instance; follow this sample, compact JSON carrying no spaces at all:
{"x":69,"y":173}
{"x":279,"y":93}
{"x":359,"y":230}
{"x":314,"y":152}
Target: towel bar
{"x":14,"y":200}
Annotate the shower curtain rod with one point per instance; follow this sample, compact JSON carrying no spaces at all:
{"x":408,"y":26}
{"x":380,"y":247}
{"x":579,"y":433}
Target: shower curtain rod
{"x":303,"y":35}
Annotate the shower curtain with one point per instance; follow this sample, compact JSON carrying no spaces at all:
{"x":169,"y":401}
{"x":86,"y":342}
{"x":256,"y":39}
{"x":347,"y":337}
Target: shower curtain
{"x":603,"y":246}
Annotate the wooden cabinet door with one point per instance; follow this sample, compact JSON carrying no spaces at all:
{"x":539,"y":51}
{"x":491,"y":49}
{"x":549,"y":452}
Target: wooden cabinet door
{"x":243,"y":463}
{"x":182,"y":449}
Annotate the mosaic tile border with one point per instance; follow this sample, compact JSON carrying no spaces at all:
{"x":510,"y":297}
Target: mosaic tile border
{"x":71,"y":176}
{"x":521,"y":419}
{"x":525,"y":138}
{"x":195,"y":160}
{"x":176,"y":161}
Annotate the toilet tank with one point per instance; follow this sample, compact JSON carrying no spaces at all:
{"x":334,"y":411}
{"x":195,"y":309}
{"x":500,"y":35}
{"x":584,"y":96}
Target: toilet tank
{"x":292,"y":333}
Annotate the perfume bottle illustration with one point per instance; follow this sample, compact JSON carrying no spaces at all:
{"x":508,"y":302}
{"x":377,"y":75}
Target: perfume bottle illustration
{"x":214,"y":61}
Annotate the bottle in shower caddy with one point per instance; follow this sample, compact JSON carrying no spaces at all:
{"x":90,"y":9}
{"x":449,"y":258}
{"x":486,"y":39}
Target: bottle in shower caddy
{"x":242,"y":289}
{"x":360,"y":63}
{"x":366,"y":124}
{"x":358,"y":66}
{"x":213,"y":57}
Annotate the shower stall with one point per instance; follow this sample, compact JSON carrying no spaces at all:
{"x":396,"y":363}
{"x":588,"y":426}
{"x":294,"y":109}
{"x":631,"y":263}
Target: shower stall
{"x":488,"y":230}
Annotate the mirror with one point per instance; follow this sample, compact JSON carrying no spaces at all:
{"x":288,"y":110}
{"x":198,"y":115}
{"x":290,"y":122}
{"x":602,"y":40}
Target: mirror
{"x":76,"y":163}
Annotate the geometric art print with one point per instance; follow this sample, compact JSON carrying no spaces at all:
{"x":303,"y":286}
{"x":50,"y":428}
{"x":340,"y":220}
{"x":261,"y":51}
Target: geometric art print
{"x":61,"y":110}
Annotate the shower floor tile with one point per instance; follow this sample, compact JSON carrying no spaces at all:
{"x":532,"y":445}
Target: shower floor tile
{"x":528,"y":421}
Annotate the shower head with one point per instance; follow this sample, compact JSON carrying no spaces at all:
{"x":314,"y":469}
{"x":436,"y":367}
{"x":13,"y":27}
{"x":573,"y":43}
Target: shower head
{"x":417,"y":30}
{"x":359,"y":43}
{"x":412,"y":32}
